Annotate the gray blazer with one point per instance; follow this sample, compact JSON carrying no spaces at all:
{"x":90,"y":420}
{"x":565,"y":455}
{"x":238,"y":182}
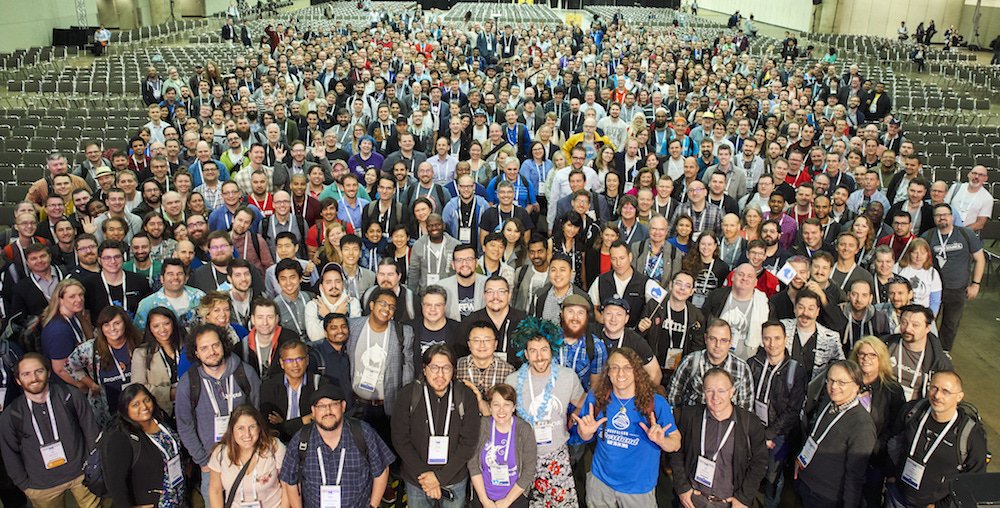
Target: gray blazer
{"x":450,"y":286}
{"x":525,"y":448}
{"x":416,"y":276}
{"x":399,"y":369}
{"x":283,"y":174}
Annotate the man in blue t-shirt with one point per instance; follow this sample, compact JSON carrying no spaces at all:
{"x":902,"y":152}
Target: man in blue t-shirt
{"x":632,"y":425}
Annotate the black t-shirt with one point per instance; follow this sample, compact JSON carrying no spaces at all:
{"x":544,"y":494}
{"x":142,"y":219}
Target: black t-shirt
{"x":97,"y":297}
{"x":631,"y":340}
{"x":424,"y":338}
{"x":493,"y":219}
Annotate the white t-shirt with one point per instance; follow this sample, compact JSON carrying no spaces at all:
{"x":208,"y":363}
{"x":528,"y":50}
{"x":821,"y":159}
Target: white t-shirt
{"x":971,"y":205}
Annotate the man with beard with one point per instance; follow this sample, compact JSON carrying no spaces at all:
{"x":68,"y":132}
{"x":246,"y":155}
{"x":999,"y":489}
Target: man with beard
{"x":114,"y":286}
{"x":216,"y":382}
{"x":221,"y":219}
{"x":425,"y":187}
{"x":309,"y":474}
{"x":430,"y":254}
{"x":248,"y":244}
{"x":283,"y":220}
{"x":212,"y":276}
{"x":284,"y":399}
{"x":31,"y":294}
{"x":463,"y":212}
{"x":581,"y":350}
{"x":261,"y":349}
{"x":623,"y":281}
{"x":388,"y":276}
{"x":775,"y":254}
{"x":921,"y":213}
{"x":379,"y":349}
{"x":915,"y":353}
{"x":532,"y":276}
{"x":151,"y":195}
{"x":198,"y":235}
{"x":299,"y":166}
{"x":174,"y":295}
{"x":47,"y":434}
{"x":822,"y":206}
{"x":86,"y":257}
{"x":139,"y":261}
{"x":502,"y":318}
{"x":810,"y":343}
{"x":465,"y":287}
{"x":686,"y":387}
{"x":862,"y":318}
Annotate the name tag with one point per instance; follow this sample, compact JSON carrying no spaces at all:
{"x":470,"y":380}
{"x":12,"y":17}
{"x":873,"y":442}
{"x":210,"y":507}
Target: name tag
{"x":760,"y":409}
{"x":3,"y":398}
{"x":913,"y":473}
{"x":432,"y":278}
{"x":250,"y":504}
{"x":329,"y":496}
{"x":53,"y":455}
{"x":369,"y":379}
{"x":174,"y":472}
{"x":464,"y":235}
{"x":808,"y":451}
{"x":437,"y":450}
{"x":908,"y":393}
{"x":221,"y":424}
{"x":698,"y":300}
{"x":674,"y":356}
{"x":543,"y":434}
{"x":500,"y":475}
{"x":705,"y":471}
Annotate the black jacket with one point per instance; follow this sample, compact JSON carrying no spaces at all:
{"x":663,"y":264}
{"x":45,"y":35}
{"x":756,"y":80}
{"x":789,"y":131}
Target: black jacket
{"x":132,"y":480}
{"x":274,"y":399}
{"x":926,"y":216}
{"x":749,"y":454}
{"x":837,"y":469}
{"x":659,"y":339}
{"x":783,"y":400}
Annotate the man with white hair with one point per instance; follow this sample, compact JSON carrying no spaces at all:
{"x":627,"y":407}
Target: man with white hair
{"x":973,"y":201}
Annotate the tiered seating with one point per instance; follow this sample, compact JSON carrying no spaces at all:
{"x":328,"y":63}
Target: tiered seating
{"x":652,"y":16}
{"x":506,"y":13}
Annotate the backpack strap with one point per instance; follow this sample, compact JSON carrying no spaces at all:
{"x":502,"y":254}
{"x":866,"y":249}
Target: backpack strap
{"x":357,"y":432}
{"x":240,"y":374}
{"x":790,"y":377}
{"x":304,"y":435}
{"x":415,"y":395}
{"x":964,"y":432}
{"x":589,"y":345}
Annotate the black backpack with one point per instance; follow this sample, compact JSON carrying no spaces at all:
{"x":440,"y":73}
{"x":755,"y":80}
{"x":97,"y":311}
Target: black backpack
{"x":357,"y":433}
{"x":964,"y":431}
{"x":194,"y":386}
{"x":93,"y":467}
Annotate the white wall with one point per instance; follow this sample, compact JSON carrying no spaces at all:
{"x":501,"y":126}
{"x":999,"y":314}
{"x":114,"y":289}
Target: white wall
{"x":794,"y":14}
{"x":27,"y":23}
{"x":882,"y":17}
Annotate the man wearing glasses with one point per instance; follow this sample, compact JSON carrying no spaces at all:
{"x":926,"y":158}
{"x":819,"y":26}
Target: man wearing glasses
{"x":112,"y":285}
{"x":466,"y":287}
{"x":706,"y":216}
{"x":211,"y":189}
{"x":284,"y":399}
{"x":686,"y":385}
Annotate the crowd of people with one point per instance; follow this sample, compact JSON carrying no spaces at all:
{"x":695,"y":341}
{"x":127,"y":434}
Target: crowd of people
{"x":493,"y":264}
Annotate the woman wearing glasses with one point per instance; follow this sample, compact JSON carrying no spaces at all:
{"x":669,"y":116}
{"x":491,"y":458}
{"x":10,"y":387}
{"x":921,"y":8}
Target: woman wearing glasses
{"x":830,"y":468}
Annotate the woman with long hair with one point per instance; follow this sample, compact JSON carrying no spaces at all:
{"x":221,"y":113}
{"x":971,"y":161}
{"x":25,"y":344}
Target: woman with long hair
{"x":537,"y":167}
{"x":604,"y":163}
{"x":750,"y":223}
{"x":421,"y":209}
{"x":504,"y":468}
{"x":602,"y":248}
{"x":865,"y":231}
{"x":65,"y":326}
{"x":196,"y":204}
{"x":103,"y":365}
{"x":883,"y":397}
{"x":916,"y":266}
{"x":515,"y":253}
{"x":612,"y":194}
{"x":710,"y":271}
{"x":142,"y":454}
{"x":644,"y":179}
{"x":154,"y":364}
{"x":329,"y":252}
{"x":216,"y":308}
{"x":248,"y":442}
{"x":399,"y":249}
{"x":566,"y":239}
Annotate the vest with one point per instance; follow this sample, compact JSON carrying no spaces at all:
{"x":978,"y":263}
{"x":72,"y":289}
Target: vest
{"x":635,"y":294}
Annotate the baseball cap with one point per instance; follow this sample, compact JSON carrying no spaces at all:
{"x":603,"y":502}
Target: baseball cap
{"x":480,"y":112}
{"x":332,"y":267}
{"x":708,"y":114}
{"x":618,"y":302}
{"x":401,"y":119}
{"x":575,"y":299}
{"x":332,"y":392}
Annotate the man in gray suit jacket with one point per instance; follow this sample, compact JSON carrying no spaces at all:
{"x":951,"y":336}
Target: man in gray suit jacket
{"x":283,"y":174}
{"x":379,"y":366}
{"x":430,"y":256}
{"x":465,"y":288}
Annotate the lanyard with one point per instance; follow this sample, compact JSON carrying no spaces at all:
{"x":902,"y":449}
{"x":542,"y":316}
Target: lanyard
{"x":832,"y":423}
{"x":118,"y":366}
{"x":704,"y":286}
{"x":472,"y":215}
{"x":510,"y":437}
{"x":722,"y":442}
{"x":562,"y":356}
{"x":943,"y":242}
{"x":52,"y":421}
{"x":650,"y":270}
{"x":291,"y":312}
{"x":847,"y":277}
{"x":683,"y":334}
{"x":760,"y":385}
{"x":440,"y":257}
{"x":430,"y":415}
{"x":322,"y":465}
{"x":736,"y":249}
{"x":628,"y":233}
{"x":916,"y":369}
{"x":211,"y":396}
{"x":293,"y":399}
{"x":937,"y":442}
{"x":107,"y":290}
{"x":174,"y":450}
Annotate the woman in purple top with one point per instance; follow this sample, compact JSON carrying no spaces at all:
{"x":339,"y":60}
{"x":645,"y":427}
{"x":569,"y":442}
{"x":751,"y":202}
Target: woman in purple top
{"x":504,"y":469}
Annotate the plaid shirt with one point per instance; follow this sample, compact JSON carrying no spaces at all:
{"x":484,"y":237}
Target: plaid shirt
{"x":356,"y":481}
{"x":686,"y":388}
{"x":708,"y":219}
{"x":483,"y":379}
{"x":574,"y":357}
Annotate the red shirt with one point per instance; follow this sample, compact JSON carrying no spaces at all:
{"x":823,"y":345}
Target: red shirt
{"x":897,"y":244}
{"x":799,"y":179}
{"x":266,"y":205}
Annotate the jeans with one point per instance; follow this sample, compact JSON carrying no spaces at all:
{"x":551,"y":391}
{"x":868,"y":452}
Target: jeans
{"x":417,"y":498}
{"x":205,"y":481}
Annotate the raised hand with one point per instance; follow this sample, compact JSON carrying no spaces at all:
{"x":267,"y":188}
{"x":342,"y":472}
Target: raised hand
{"x":279,"y":153}
{"x":655,"y":432}
{"x":587,"y":425}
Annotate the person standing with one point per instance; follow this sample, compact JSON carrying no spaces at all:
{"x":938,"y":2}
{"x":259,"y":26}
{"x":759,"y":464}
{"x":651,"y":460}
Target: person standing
{"x":284,"y":400}
{"x":339,"y":461}
{"x":246,"y":462}
{"x":830,"y":469}
{"x":503,"y":469}
{"x":641,"y":426}
{"x":955,"y":249}
{"x":46,"y":435}
{"x":686,"y":384}
{"x":545,"y":392}
{"x":724,"y":452}
{"x":434,"y":464}
{"x":485,"y":367}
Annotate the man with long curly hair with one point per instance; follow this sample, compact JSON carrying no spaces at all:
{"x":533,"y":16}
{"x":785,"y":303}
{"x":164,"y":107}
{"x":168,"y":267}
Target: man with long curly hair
{"x":641,"y":426}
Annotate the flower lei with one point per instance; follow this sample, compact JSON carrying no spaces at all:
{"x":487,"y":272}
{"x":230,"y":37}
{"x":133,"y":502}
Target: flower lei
{"x":522,"y":410}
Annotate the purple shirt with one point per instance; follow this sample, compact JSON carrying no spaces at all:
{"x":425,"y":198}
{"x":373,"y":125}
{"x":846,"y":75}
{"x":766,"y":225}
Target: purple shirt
{"x":498,"y":450}
{"x":788,"y":229}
